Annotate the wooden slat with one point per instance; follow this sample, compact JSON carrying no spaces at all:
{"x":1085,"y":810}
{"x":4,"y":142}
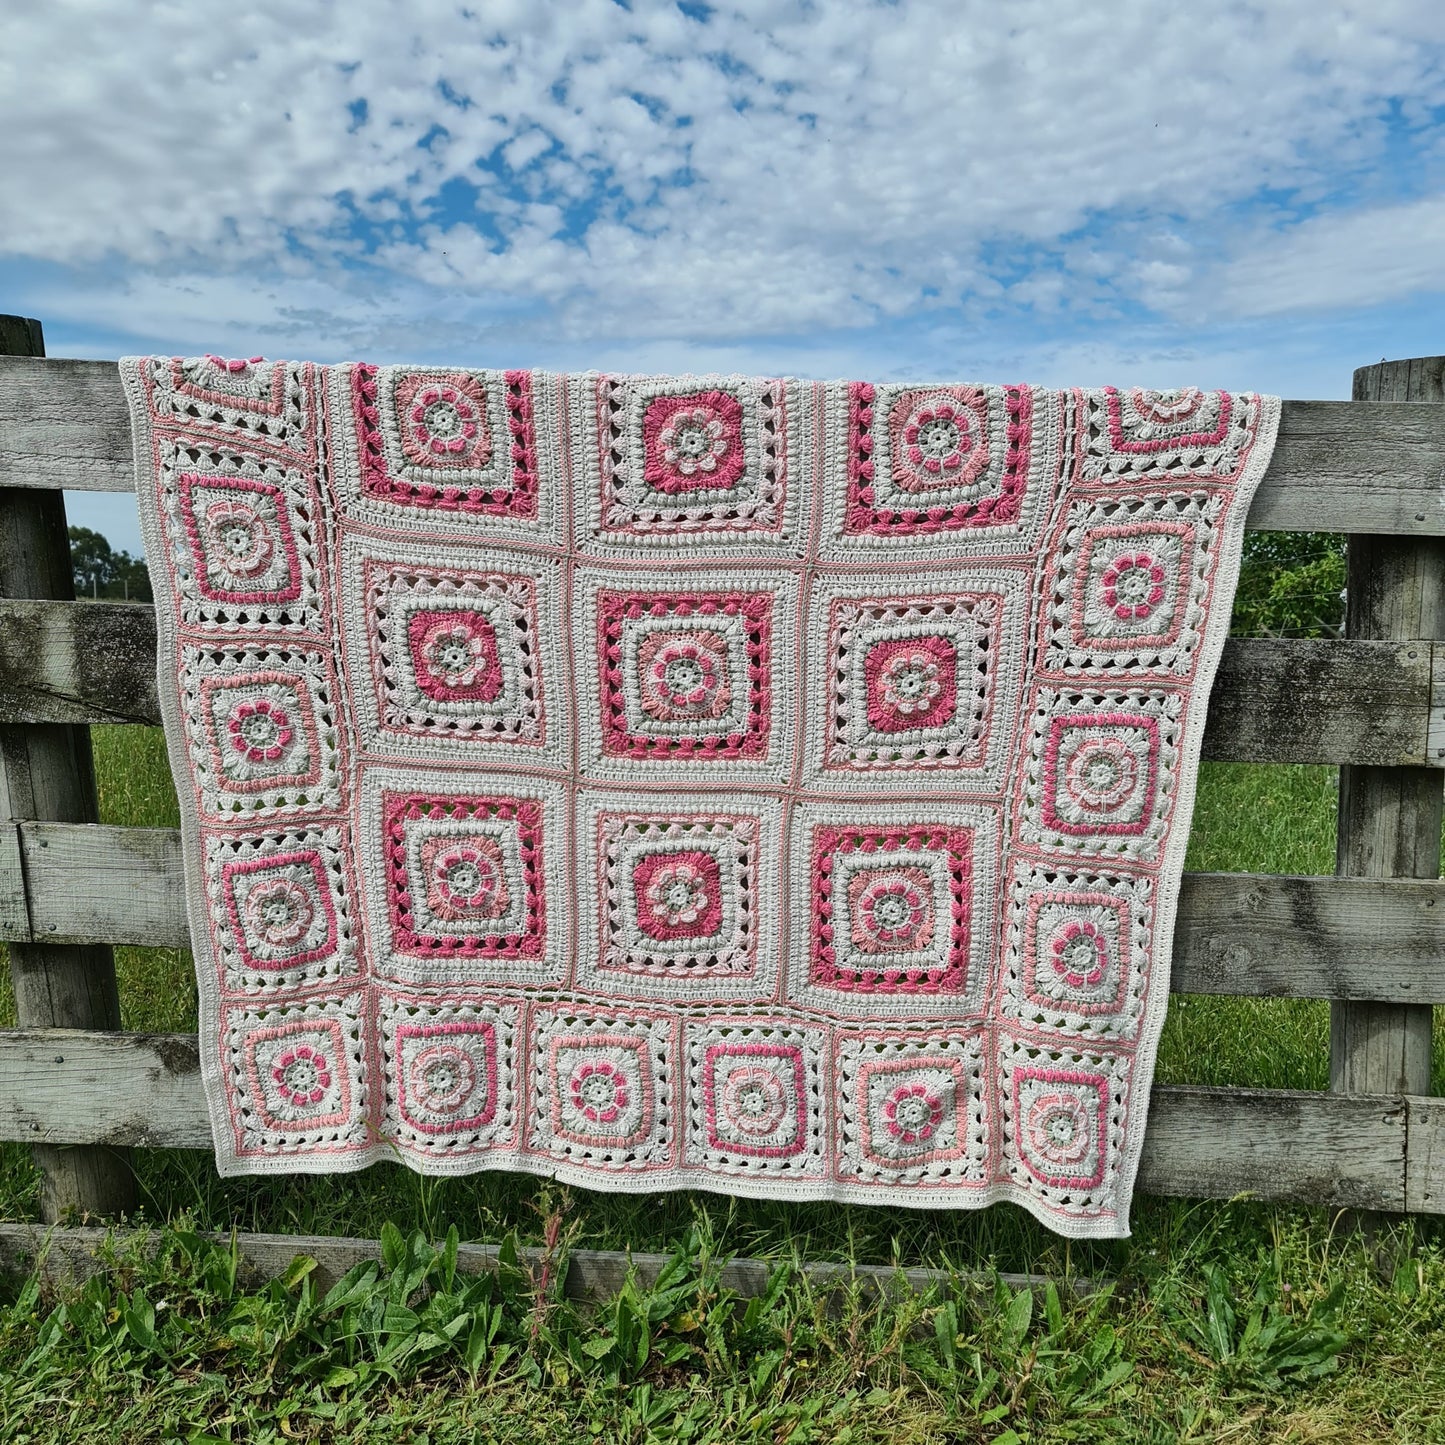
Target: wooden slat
{"x":48,"y":772}
{"x":103,"y":884}
{"x":71,"y":1255}
{"x":77,"y":662}
{"x":1277,"y":1144}
{"x":14,"y":914}
{"x":1237,"y":933}
{"x":1275,"y":700}
{"x":1337,"y":467}
{"x":1425,"y":1157}
{"x":1301,"y":700}
{"x":66,"y":1086}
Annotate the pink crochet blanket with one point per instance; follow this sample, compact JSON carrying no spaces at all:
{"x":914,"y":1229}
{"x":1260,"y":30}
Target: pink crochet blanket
{"x":765,"y":786}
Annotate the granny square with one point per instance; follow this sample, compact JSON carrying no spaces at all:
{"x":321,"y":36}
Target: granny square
{"x":753,"y":784}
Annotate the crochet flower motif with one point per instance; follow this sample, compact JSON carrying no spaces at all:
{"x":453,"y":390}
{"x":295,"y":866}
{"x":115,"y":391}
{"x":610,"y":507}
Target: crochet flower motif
{"x":912,"y":1113}
{"x":599,"y":1091}
{"x":466,"y":881}
{"x":280,"y":911}
{"x":753,"y":1100}
{"x":937,"y":438}
{"x":1058,"y":1127}
{"x":240,"y":538}
{"x":891,"y":911}
{"x":260,"y":730}
{"x":442,"y":422}
{"x":693,"y":442}
{"x":1080,"y":953}
{"x":1132,"y":585}
{"x":677,"y":893}
{"x":455,"y":653}
{"x":910,"y":682}
{"x":940,"y":444}
{"x":1102,"y":774}
{"x":302,"y":1075}
{"x":684,"y":675}
{"x":442,"y":1078}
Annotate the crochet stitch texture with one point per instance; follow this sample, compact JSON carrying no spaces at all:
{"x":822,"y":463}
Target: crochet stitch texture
{"x":766,"y":786}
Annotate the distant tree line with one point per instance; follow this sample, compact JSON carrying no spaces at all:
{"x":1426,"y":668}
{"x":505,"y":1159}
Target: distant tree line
{"x":103,"y":571}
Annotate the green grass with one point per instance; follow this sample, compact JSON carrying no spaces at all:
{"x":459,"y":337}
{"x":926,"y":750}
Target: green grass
{"x":1179,"y":1383}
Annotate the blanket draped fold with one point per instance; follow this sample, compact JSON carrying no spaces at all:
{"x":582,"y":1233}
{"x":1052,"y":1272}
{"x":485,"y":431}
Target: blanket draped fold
{"x":758,"y":785}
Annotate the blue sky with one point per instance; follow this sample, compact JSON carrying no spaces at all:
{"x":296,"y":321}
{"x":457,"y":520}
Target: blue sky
{"x":1239,"y":195}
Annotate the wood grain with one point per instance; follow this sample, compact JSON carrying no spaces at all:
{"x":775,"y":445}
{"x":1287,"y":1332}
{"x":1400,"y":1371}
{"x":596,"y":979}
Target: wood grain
{"x":1237,"y":933}
{"x":137,"y":1090}
{"x":1337,"y":467}
{"x":1275,"y":700}
{"x":1390,"y":817}
{"x":47,"y":772}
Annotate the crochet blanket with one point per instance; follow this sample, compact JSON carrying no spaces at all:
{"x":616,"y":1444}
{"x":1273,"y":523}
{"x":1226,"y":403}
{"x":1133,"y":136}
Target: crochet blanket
{"x":765,"y":786}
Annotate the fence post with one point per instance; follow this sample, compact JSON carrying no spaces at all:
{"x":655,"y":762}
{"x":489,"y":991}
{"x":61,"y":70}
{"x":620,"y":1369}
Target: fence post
{"x":1389,"y":821}
{"x":46,"y":771}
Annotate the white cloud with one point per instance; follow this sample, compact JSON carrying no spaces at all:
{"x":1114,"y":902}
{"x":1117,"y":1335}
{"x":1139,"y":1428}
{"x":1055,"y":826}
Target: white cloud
{"x":841,"y":164}
{"x":1381,"y":254}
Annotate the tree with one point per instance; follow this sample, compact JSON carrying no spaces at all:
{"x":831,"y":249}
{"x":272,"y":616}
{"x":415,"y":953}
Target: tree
{"x":91,"y":561}
{"x":101,"y":571}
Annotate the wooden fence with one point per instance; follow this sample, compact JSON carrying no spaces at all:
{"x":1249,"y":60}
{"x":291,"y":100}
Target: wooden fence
{"x":1371,"y":940}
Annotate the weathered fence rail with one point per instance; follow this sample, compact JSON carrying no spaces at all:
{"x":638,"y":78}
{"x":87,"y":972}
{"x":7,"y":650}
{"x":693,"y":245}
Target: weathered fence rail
{"x":1371,"y":941}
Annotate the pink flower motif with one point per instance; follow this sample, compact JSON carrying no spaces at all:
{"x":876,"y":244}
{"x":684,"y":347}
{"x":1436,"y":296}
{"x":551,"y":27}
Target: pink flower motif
{"x":938,"y":437}
{"x":693,"y":440}
{"x":683,"y":675}
{"x":260,"y":730}
{"x":442,"y":421}
{"x":693,"y":443}
{"x":913,"y":1113}
{"x":280,"y":912}
{"x":442,"y":1078}
{"x":1132,"y":585}
{"x":753,"y":1100}
{"x":466,"y":879}
{"x":240,"y":538}
{"x":1080,"y":953}
{"x":302,"y":1075}
{"x":1058,"y":1127}
{"x":910,"y":682}
{"x":455,"y":654}
{"x":1102,"y":774}
{"x":677,"y":893}
{"x":894,"y":909}
{"x":599,"y":1091}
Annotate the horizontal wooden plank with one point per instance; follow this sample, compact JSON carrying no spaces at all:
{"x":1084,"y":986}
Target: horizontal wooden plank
{"x":1338,"y":466}
{"x":68,"y":1086}
{"x":1236,"y":933}
{"x":70,"y":1256}
{"x":77,"y":662}
{"x":1275,"y":700}
{"x":1336,"y":700}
